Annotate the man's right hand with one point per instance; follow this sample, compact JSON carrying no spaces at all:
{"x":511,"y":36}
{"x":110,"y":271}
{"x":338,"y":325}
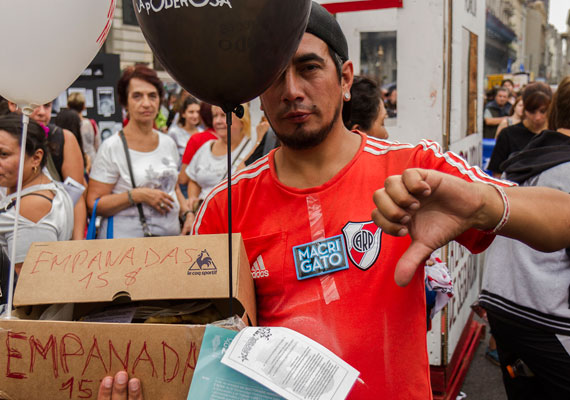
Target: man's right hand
{"x":120,"y":388}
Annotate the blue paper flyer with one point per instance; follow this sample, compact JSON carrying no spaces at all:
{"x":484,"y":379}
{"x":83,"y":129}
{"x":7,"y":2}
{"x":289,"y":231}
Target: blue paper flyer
{"x":213,"y":380}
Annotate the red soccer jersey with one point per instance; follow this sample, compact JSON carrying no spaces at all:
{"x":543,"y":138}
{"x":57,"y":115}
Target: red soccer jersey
{"x":195,"y":142}
{"x":358,"y":312}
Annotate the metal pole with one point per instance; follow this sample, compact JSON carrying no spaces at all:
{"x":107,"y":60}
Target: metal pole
{"x":239,"y":112}
{"x":26,"y":112}
{"x":229,"y":160}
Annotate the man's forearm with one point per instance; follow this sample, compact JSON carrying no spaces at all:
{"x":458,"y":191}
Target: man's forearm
{"x":539,"y":216}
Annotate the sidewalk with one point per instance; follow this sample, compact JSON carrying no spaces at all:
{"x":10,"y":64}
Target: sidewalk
{"x":484,"y":380}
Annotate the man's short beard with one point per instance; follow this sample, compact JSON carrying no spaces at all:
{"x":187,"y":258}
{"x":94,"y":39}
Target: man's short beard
{"x":302,"y":139}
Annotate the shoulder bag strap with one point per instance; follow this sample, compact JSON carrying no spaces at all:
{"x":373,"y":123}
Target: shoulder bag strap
{"x":142,"y":218}
{"x":237,"y":157}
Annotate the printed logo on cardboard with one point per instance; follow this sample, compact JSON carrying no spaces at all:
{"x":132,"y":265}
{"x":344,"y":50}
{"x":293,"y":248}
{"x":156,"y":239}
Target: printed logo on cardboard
{"x":204,"y":265}
{"x":320,"y":257}
{"x":363,"y":240}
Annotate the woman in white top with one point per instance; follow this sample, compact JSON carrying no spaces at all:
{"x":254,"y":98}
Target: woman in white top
{"x":187,"y":126}
{"x":209,"y":165}
{"x":154,"y":160}
{"x":46,"y":210}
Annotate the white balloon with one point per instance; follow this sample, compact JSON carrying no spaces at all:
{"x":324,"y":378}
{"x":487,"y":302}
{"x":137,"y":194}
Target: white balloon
{"x":46,"y":44}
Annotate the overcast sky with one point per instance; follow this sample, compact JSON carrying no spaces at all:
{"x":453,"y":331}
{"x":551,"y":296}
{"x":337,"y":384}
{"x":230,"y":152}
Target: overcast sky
{"x":559,"y":14}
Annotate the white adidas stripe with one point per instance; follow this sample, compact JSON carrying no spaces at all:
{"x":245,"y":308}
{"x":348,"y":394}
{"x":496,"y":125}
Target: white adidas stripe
{"x":477,"y":175}
{"x":378,"y":152}
{"x":244,"y":174}
{"x":385,"y":144}
{"x":462,"y":165}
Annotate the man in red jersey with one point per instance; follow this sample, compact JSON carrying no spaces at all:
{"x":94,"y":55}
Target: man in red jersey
{"x":321,"y":264}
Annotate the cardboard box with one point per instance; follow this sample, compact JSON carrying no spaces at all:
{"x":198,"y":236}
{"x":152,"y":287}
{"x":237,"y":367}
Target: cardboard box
{"x":67,"y":360}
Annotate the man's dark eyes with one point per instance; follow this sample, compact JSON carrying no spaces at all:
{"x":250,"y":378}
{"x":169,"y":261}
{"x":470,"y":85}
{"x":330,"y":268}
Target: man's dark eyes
{"x":311,"y":67}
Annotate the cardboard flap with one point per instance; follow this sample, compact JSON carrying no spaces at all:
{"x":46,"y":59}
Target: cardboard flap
{"x":64,"y":360}
{"x":177,"y":267}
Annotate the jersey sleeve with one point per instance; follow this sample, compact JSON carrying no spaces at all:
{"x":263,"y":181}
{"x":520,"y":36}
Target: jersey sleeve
{"x":429,"y":155}
{"x":211,"y":217}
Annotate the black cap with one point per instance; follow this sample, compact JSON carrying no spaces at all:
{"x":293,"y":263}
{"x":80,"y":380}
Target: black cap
{"x":323,"y":25}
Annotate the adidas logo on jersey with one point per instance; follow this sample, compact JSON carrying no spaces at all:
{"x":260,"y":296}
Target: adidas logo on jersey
{"x":258,"y":269}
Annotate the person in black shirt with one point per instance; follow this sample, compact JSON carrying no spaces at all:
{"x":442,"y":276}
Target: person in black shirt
{"x":536,"y":99}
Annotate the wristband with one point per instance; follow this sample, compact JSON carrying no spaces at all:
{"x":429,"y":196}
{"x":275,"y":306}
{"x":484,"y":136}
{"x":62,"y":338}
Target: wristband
{"x":506,"y":212}
{"x":185,"y":214}
{"x":130,"y":196}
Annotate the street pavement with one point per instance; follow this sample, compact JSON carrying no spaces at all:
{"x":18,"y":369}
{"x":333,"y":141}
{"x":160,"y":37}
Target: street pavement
{"x":484,"y":380}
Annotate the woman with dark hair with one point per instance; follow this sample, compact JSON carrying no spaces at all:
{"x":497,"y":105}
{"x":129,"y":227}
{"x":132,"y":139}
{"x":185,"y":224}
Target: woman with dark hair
{"x":536,"y":99}
{"x":64,"y":160}
{"x":187,"y":125}
{"x":195,"y":142}
{"x":367,"y":111}
{"x":151,"y":203}
{"x":71,"y":120}
{"x":525,"y":291}
{"x":46,"y":210}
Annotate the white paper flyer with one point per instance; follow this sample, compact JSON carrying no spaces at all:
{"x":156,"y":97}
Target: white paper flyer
{"x":73,"y":188}
{"x":290,"y":364}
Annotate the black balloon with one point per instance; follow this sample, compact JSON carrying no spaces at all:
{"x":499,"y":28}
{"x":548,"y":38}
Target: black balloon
{"x":225,"y":52}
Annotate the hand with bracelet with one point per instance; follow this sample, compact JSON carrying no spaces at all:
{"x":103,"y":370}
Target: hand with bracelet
{"x":157,"y":199}
{"x":187,"y":217}
{"x":435,"y":208}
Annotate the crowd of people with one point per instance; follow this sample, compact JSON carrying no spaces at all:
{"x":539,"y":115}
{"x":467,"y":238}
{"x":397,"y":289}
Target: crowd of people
{"x":144,"y":181}
{"x":150,"y":181}
{"x":514,"y":119}
{"x":329,"y":167}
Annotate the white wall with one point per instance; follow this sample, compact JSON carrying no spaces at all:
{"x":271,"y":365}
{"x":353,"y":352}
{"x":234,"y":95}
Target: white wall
{"x":463,"y":22}
{"x":420,"y":68}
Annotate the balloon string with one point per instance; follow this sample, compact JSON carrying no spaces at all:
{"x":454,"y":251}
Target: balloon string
{"x":25,"y":122}
{"x":229,"y":160}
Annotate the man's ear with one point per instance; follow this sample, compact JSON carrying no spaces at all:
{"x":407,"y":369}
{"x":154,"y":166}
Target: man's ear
{"x":347,"y":76}
{"x":12,"y":106}
{"x":355,"y":127}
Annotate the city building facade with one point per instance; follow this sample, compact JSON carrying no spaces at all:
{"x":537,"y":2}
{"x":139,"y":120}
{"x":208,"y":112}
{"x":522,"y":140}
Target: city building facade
{"x":519,"y":39}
